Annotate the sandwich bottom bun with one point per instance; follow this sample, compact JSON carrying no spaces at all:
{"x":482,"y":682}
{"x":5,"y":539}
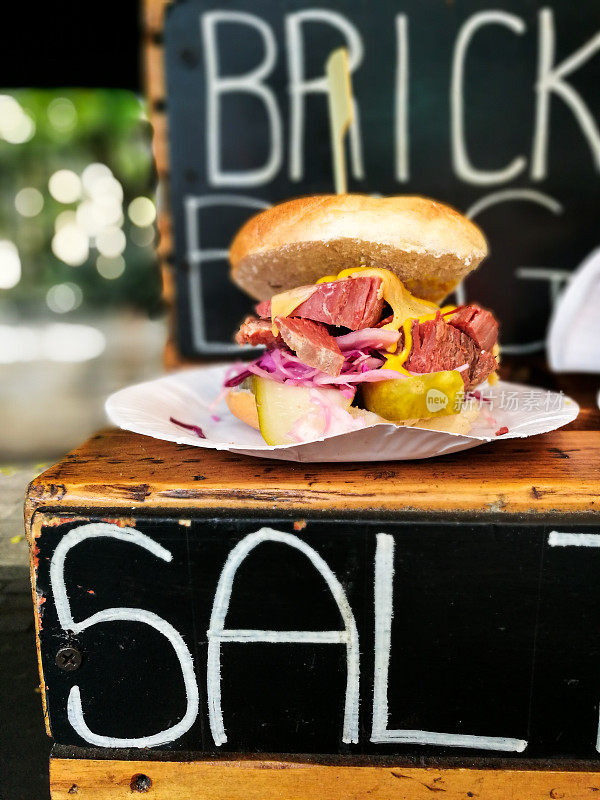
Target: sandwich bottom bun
{"x":451,"y":423}
{"x":242,"y":404}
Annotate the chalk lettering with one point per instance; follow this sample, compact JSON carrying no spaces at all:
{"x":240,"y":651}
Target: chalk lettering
{"x":217,"y":632}
{"x":401,"y":98}
{"x":460,"y":158}
{"x":383,"y":595}
{"x":551,"y":79}
{"x":196,"y":256}
{"x":57,"y":581}
{"x":250,"y":83}
{"x":300,"y":86}
{"x":559,"y":539}
{"x":556,"y":278}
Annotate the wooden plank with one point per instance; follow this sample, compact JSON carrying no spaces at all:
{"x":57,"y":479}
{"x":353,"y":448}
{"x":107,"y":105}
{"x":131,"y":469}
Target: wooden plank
{"x":168,"y":286}
{"x":155,"y":83}
{"x":154,"y":70}
{"x":153,"y":12}
{"x":557,"y":472}
{"x":245,"y":780}
{"x":38,"y":602}
{"x":165,"y":231}
{"x":172,"y":358}
{"x":160,"y":140}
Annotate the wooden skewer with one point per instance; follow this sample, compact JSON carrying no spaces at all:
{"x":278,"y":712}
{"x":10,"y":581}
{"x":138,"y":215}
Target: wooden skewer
{"x":341,"y":112}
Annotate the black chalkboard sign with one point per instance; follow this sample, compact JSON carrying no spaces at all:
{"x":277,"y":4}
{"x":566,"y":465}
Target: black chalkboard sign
{"x":350,"y":637}
{"x":492,"y":107}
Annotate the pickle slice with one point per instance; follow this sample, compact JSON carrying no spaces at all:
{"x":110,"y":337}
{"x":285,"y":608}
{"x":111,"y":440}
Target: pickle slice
{"x":281,"y":406}
{"x":416,"y":397}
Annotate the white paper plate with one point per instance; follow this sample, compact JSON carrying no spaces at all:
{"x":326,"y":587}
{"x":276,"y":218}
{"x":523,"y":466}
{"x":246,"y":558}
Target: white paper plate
{"x":188,"y":395}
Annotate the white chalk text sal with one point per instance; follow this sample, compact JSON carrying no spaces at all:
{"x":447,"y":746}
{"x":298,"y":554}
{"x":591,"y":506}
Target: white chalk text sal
{"x":345,"y":636}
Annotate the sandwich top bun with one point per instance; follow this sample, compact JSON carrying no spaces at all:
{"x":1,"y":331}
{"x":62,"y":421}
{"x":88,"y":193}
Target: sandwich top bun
{"x":428,"y":245}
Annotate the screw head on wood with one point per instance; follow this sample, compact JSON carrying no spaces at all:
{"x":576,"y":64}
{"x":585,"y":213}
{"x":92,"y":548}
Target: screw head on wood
{"x":68,"y":658}
{"x":140,"y":783}
{"x":188,"y":57}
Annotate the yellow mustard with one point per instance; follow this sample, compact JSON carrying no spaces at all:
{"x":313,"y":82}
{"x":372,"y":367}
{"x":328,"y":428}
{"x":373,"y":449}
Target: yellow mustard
{"x":396,"y":361}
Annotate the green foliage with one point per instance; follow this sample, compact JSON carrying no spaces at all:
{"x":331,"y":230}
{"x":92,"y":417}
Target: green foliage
{"x":72,"y":129}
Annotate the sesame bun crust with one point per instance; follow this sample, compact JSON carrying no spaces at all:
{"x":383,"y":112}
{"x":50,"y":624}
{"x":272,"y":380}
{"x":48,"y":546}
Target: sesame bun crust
{"x":430,"y":246}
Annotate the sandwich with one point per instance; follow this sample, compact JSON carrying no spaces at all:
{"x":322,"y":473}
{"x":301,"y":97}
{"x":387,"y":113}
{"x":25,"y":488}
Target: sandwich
{"x":350,"y":316}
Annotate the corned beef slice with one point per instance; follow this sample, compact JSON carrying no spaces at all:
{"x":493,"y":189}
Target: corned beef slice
{"x":438,"y":346}
{"x":312,"y":343}
{"x":263,"y":309}
{"x":465,"y":337}
{"x":483,"y":366}
{"x":350,"y":303}
{"x":478,"y":323}
{"x":257,"y":331}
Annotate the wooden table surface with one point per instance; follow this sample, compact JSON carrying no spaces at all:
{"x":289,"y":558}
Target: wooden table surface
{"x":556,"y":472}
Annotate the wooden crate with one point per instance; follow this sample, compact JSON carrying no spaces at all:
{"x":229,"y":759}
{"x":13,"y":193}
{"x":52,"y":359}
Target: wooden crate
{"x":153,"y":12}
{"x":471,"y":533}
{"x":276,"y":780}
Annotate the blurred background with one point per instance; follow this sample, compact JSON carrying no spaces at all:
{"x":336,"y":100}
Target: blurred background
{"x":80,"y":289}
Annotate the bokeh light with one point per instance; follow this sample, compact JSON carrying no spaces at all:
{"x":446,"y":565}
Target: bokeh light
{"x":10,"y":112}
{"x":17,"y":343}
{"x":111,"y":241}
{"x":65,"y":186}
{"x":16,"y":126}
{"x":107,"y":186}
{"x":10,"y":264}
{"x":70,"y":342}
{"x":109,"y":209}
{"x":22,"y":132}
{"x":59,"y":341}
{"x":63,"y":297}
{"x":110,"y":268}
{"x":142,"y":211}
{"x":65,"y":218}
{"x":62,"y":114}
{"x":29,"y":201}
{"x":72,"y":162}
{"x":89,"y":217}
{"x":142,"y":237}
{"x":70,"y":244}
{"x":92,"y":174}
